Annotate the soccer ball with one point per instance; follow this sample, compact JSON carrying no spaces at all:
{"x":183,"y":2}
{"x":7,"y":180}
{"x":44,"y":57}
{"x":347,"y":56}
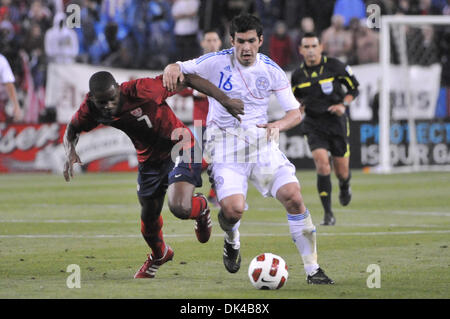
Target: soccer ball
{"x":268,"y":271}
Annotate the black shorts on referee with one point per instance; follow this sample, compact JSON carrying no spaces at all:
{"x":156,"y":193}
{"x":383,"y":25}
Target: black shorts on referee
{"x":331,"y":134}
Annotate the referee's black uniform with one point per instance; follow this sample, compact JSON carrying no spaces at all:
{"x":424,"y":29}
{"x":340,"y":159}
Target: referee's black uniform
{"x":317,"y":88}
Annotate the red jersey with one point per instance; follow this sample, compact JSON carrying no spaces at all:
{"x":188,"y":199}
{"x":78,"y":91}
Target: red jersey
{"x":144,"y":116}
{"x":201,"y":107}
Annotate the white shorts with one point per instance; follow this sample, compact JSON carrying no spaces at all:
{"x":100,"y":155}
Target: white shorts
{"x":268,"y":174}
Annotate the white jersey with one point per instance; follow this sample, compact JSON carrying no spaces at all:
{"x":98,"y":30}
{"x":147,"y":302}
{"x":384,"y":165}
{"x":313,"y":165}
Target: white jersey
{"x":252,"y":84}
{"x":240,"y":151}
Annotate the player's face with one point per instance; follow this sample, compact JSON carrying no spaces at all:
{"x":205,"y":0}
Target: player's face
{"x":107,"y":102}
{"x":246,"y":45}
{"x":311,"y":50}
{"x":211,"y":42}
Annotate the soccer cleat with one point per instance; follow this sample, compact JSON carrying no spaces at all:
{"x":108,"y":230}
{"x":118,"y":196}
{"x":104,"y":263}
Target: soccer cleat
{"x":203,"y":224}
{"x":319,"y":278}
{"x":328,"y":219}
{"x":231,"y":258}
{"x":345,"y":196}
{"x":151,"y":265}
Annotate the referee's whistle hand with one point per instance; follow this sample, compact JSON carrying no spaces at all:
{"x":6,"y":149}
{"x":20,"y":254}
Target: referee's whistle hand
{"x":338,"y":109}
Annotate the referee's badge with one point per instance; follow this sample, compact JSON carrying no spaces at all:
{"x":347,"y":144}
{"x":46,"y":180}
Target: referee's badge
{"x":327,"y":87}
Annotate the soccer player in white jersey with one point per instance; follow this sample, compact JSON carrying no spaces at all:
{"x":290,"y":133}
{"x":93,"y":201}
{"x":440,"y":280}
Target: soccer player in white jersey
{"x":241,"y":72}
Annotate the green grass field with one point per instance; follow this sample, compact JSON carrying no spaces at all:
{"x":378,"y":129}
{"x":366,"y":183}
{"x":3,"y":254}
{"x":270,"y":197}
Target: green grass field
{"x":399,"y":222}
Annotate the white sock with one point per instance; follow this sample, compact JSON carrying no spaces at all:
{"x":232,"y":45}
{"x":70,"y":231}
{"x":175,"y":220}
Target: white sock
{"x":232,"y":235}
{"x":303,"y":234}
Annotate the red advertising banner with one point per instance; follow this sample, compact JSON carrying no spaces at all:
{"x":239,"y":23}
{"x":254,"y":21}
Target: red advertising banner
{"x":39,"y":148}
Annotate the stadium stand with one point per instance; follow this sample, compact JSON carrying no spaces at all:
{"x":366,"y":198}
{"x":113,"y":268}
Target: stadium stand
{"x":142,"y":34}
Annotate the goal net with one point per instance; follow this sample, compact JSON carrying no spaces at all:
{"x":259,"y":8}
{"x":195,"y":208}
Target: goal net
{"x":411,"y":136}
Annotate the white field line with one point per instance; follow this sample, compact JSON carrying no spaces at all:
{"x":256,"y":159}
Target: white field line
{"x":69,"y":221}
{"x":19,"y":183}
{"x":350,"y":210}
{"x":89,"y":205}
{"x":244,"y":223}
{"x":413,"y":232}
{"x":400,"y":212}
{"x":262,"y":209}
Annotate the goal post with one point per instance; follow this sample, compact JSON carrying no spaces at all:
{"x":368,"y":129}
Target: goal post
{"x":395,"y":36}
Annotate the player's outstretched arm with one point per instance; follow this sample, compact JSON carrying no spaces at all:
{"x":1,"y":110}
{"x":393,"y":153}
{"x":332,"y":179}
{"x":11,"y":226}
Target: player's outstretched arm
{"x":234,"y":106}
{"x":291,"y":119}
{"x":173,"y":78}
{"x":70,"y":141}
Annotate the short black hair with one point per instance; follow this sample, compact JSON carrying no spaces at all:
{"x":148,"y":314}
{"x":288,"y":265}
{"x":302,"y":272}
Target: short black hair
{"x":101,"y":81}
{"x":310,"y":35}
{"x":245,"y":22}
{"x":212,"y":31}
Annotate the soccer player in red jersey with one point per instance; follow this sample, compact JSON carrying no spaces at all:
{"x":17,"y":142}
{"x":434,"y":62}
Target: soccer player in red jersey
{"x":138,"y":108}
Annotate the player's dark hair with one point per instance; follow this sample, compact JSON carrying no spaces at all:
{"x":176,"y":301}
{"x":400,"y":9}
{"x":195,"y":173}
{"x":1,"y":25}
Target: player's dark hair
{"x":245,"y":22}
{"x":310,"y":35}
{"x":101,"y":81}
{"x":211,"y":31}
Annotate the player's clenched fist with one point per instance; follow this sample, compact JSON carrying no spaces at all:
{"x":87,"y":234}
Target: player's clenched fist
{"x":338,"y":109}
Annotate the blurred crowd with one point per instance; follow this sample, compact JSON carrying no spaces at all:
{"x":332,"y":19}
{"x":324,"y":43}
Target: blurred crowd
{"x":148,"y":34}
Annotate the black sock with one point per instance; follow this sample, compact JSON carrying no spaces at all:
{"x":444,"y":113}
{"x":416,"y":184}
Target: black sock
{"x":324,"y":189}
{"x":345,"y":183}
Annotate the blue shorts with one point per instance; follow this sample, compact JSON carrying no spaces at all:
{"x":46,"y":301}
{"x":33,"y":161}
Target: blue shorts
{"x":153,"y":179}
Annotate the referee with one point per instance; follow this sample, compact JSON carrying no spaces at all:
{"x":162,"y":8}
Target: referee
{"x":325,"y":87}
